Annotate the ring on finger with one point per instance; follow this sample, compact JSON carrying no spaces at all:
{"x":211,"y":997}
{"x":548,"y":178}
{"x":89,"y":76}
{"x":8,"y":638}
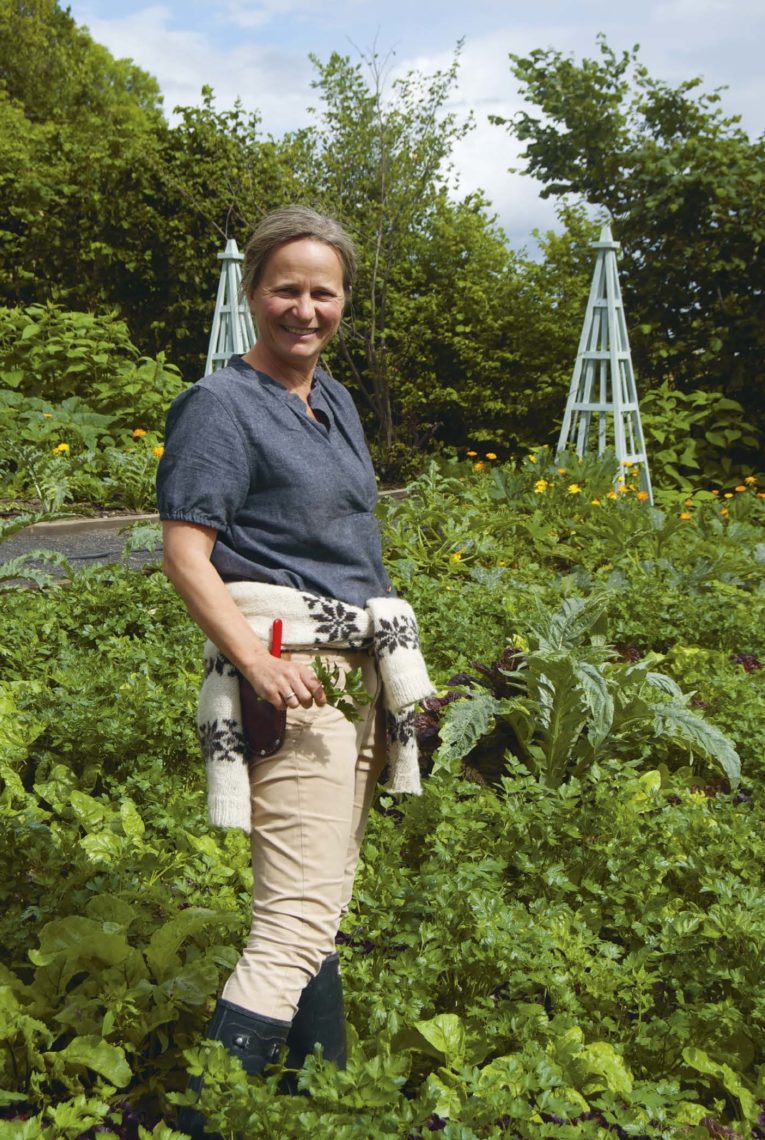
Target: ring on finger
{"x":289,"y":696}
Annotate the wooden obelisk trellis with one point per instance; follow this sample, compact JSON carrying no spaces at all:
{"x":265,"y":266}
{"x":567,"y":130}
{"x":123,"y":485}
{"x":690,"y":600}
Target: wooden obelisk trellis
{"x":603,"y":384}
{"x":232,"y":327}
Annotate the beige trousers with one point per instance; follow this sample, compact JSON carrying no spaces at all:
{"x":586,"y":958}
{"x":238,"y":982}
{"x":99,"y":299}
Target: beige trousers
{"x":310,"y":804}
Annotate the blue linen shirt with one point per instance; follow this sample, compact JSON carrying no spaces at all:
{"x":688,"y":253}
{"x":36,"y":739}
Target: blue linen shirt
{"x":292,"y":498}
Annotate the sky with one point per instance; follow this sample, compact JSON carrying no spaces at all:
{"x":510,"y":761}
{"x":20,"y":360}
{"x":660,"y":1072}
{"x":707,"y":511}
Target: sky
{"x":258,"y":50}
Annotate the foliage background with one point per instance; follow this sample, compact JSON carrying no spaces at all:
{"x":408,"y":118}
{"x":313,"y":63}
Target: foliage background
{"x":451,"y":338}
{"x":527,"y":954}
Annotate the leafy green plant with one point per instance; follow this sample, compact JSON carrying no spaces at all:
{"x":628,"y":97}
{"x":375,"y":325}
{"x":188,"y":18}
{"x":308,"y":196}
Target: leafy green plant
{"x":576,"y":706}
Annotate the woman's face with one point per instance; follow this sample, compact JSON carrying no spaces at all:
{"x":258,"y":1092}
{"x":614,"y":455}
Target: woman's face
{"x":298,"y":303}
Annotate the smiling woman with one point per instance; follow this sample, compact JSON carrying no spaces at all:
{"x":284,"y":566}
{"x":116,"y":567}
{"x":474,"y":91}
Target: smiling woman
{"x":267,"y":494}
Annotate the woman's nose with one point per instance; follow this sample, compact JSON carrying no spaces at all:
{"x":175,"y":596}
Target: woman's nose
{"x":304,"y":306}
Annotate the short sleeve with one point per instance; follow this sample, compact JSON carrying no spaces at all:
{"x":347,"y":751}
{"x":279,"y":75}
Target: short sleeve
{"x":204,"y":474}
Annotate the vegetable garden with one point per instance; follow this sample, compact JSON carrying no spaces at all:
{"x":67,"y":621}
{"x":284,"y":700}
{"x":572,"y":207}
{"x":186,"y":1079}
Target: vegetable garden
{"x":561,"y":937}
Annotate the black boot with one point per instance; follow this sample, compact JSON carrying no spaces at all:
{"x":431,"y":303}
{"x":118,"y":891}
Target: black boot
{"x":320,"y":1018}
{"x":255,"y":1040}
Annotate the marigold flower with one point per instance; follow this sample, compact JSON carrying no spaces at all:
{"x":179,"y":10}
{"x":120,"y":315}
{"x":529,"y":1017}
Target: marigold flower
{"x":626,"y":463}
{"x":541,"y":486}
{"x":612,"y":495}
{"x":723,"y":511}
{"x":574,"y":489}
{"x":685,"y":515}
{"x":471,"y":454}
{"x":138,"y":432}
{"x":595,"y":502}
{"x":761,"y":494}
{"x":750,"y":479}
{"x":623,"y":488}
{"x":531,"y":458}
{"x":728,"y":495}
{"x":740,"y":488}
{"x":490,"y":455}
{"x":456,"y":556}
{"x":563,"y":471}
{"x":159,"y":451}
{"x":61,"y":449}
{"x":479,"y":466}
{"x":642,"y":496}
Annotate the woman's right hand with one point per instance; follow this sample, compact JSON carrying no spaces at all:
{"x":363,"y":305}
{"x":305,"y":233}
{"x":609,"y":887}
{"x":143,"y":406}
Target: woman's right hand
{"x":284,"y":683}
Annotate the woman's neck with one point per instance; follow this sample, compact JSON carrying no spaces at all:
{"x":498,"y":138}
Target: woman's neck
{"x":296,"y":378}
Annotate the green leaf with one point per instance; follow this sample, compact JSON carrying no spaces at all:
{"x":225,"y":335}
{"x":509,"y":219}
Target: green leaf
{"x":161,"y":953}
{"x":683,"y":725}
{"x":731,"y":1082}
{"x":466,"y":721}
{"x":94,"y":1053}
{"x":446,"y":1034}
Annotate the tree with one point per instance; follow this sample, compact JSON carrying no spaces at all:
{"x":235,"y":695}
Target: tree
{"x":685,"y":188}
{"x":380,"y":166}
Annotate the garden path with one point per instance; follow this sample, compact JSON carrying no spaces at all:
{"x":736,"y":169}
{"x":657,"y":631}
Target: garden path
{"x":82,"y":541}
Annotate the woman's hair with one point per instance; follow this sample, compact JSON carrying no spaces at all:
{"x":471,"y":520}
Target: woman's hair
{"x":291,"y":223}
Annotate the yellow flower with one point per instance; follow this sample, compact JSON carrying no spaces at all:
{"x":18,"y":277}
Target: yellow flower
{"x":138,"y":432}
{"x":723,"y":511}
{"x":531,"y":458}
{"x":479,"y":466}
{"x":685,"y":515}
{"x":642,"y":496}
{"x":612,"y":495}
{"x":61,"y":449}
{"x":626,"y":463}
{"x":750,"y":479}
{"x":595,"y":502}
{"x":574,"y":489}
{"x":563,"y":471}
{"x":159,"y":451}
{"x":761,"y":494}
{"x":456,"y":556}
{"x":490,"y":455}
{"x":47,"y":415}
{"x":471,"y":454}
{"x":740,"y":488}
{"x":623,"y":489}
{"x":541,"y":486}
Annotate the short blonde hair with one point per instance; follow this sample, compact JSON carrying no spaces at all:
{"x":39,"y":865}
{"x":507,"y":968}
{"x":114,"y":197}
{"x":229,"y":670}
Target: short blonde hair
{"x":291,"y":223}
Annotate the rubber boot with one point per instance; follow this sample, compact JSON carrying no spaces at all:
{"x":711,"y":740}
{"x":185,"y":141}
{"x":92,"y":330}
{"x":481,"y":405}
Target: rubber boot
{"x":255,"y":1040}
{"x":320,"y":1018}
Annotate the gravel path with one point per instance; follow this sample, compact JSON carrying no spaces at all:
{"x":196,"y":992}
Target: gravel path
{"x":82,"y":541}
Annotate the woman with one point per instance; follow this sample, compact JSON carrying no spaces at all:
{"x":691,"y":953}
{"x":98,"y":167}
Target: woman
{"x":266,"y":492}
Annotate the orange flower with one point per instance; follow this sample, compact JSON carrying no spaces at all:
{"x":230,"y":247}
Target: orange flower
{"x":138,"y":432}
{"x":490,"y":455}
{"x":642,"y":496}
{"x":159,"y":451}
{"x":740,"y":488}
{"x":471,"y":454}
{"x":723,"y":511}
{"x":685,"y":515}
{"x":612,"y":495}
{"x":563,"y":471}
